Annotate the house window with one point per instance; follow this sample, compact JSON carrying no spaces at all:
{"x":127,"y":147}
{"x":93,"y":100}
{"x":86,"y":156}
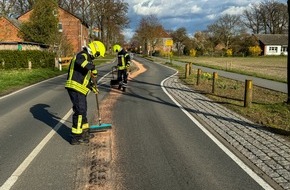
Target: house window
{"x":273,"y":49}
{"x":284,"y":49}
{"x":59,"y":27}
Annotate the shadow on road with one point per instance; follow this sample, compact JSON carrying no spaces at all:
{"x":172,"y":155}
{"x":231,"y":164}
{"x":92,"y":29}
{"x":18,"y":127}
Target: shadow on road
{"x":154,"y":99}
{"x":41,"y":112}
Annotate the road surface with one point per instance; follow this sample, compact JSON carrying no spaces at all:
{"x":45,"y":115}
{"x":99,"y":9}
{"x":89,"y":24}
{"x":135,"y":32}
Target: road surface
{"x":156,"y":145}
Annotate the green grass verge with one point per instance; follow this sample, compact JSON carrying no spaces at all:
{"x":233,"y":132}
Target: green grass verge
{"x":12,"y":80}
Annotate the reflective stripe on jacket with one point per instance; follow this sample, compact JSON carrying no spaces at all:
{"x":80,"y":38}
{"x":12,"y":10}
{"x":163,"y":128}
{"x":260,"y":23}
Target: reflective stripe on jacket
{"x":79,"y":73}
{"x":123,"y":60}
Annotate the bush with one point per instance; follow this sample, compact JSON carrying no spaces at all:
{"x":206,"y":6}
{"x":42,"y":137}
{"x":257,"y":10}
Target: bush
{"x":193,"y":52}
{"x":255,"y":50}
{"x":13,"y":59}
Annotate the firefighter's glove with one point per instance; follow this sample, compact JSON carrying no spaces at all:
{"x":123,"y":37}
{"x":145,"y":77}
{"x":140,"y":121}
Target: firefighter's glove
{"x":128,"y":65}
{"x":95,"y":89}
{"x":94,"y":73}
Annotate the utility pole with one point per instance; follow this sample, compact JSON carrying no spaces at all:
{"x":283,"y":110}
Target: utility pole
{"x":288,"y":58}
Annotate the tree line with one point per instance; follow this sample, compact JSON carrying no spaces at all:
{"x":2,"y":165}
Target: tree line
{"x":229,"y":34}
{"x":106,"y":19}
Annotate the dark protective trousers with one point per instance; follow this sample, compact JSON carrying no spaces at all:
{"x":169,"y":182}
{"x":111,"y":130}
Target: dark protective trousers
{"x":79,"y":102}
{"x":122,"y":76}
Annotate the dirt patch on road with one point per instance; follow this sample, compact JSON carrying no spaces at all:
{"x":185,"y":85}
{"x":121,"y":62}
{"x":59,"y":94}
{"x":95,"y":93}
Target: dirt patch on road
{"x":102,"y":151}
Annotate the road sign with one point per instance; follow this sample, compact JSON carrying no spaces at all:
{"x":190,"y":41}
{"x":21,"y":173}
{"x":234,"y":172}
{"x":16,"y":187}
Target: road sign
{"x":169,"y":42}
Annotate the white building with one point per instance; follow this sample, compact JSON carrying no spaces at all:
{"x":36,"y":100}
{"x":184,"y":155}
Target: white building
{"x":273,"y":44}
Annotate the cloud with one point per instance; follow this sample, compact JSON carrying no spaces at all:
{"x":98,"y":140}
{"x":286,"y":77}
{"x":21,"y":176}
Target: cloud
{"x":165,"y":8}
{"x":234,"y":10}
{"x":194,"y":15}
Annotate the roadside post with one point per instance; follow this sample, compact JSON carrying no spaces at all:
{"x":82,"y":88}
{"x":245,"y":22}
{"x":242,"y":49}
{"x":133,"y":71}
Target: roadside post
{"x":29,"y":65}
{"x":190,"y":68}
{"x":248,"y":93}
{"x":186,"y":70}
{"x":198,"y":76}
{"x":214,"y":78}
{"x":59,"y":64}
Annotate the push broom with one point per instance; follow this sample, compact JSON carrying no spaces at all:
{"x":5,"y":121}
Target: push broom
{"x":100,"y":126}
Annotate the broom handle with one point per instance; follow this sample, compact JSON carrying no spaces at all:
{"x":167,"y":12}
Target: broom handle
{"x":98,"y":109}
{"x":97,"y":100}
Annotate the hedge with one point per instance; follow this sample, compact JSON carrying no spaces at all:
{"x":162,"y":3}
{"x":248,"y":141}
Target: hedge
{"x":14,"y":59}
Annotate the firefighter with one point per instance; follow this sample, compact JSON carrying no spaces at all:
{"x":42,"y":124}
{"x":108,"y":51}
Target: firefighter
{"x":79,"y":83}
{"x":123,"y":65}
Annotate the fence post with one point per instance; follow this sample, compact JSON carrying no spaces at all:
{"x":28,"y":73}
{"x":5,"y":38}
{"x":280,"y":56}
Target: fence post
{"x":190,"y":68}
{"x":198,"y":76}
{"x":186,"y":70}
{"x":59,"y":64}
{"x":55,"y":62}
{"x":248,"y":93}
{"x":29,"y":65}
{"x":214,"y":77}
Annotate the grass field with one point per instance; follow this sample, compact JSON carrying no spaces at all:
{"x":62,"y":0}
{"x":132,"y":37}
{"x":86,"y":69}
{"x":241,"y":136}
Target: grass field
{"x":272,"y":67}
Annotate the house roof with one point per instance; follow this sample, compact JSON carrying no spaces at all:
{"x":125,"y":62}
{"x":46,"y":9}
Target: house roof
{"x":82,"y":21}
{"x":273,"y":39}
{"x":25,"y":43}
{"x":15,"y":22}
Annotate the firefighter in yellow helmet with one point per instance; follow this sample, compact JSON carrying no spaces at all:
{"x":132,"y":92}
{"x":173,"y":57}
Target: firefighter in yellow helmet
{"x":123,"y":65}
{"x":81,"y":72}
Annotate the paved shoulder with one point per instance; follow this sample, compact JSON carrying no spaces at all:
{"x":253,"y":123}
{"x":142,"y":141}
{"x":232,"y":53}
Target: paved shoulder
{"x":267,"y":151}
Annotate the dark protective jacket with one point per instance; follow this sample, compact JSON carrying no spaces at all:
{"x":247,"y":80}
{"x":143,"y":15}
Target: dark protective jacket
{"x":124,"y":60}
{"x":79,"y":73}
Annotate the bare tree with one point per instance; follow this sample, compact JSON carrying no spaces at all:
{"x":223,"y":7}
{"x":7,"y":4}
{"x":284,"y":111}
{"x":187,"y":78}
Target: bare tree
{"x":22,"y":6}
{"x":149,"y":32}
{"x":180,"y":37}
{"x":115,"y":21}
{"x":106,"y":18}
{"x":225,"y":28}
{"x":268,"y":17}
{"x":252,"y":19}
{"x":73,"y":6}
{"x":275,"y":17}
{"x":202,"y":43}
{"x":6,"y":7}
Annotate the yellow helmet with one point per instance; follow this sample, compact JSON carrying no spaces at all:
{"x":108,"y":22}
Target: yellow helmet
{"x":117,"y":48}
{"x":96,"y":48}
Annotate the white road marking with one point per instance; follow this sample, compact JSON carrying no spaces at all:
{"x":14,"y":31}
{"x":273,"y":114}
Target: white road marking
{"x":248,"y":170}
{"x":21,"y":168}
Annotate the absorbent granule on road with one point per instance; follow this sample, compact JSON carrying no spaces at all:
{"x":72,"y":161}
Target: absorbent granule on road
{"x":100,"y":170}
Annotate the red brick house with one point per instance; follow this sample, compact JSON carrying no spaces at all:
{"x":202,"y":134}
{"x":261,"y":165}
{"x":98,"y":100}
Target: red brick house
{"x":9,"y":39}
{"x":72,"y":27}
{"x":163,"y":44}
{"x":9,"y":30}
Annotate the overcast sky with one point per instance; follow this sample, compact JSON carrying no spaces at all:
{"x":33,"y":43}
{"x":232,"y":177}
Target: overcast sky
{"x":194,"y":15}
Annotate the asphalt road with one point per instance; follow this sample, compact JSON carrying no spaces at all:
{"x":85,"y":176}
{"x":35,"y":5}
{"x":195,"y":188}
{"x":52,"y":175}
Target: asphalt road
{"x":157,"y":145}
{"x":35,"y":152}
